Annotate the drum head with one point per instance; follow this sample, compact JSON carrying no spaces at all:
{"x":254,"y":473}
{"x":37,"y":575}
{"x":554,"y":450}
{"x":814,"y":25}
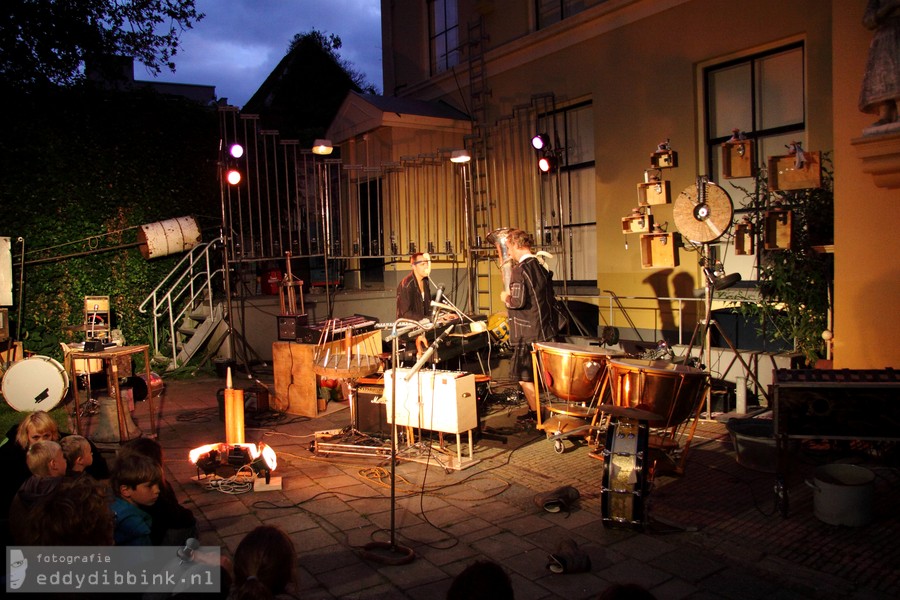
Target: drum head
{"x":36,"y":383}
{"x":562,"y":348}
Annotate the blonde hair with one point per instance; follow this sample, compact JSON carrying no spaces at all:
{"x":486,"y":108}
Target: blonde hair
{"x":39,"y":456}
{"x":74,"y":447}
{"x":40,"y":422}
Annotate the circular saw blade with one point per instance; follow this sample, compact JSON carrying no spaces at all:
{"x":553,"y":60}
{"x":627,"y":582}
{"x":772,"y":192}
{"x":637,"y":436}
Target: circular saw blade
{"x":703,"y":221}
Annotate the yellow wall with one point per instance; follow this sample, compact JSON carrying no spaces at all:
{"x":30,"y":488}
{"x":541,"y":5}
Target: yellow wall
{"x":867,"y":278}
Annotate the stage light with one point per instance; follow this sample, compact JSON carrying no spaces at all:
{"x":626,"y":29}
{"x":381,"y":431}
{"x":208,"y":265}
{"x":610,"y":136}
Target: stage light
{"x":233,"y":176}
{"x":460,"y":156}
{"x":547,"y":163}
{"x":322,"y":147}
{"x":540,"y":141}
{"x":265,"y":462}
{"x":236,"y":150}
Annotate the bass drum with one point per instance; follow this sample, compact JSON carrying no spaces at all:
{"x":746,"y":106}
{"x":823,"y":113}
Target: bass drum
{"x":36,"y":383}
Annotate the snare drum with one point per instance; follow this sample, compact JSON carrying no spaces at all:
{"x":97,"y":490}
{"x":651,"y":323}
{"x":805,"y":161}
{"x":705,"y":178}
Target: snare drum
{"x":36,"y":383}
{"x":625,"y":484}
{"x":498,"y":325}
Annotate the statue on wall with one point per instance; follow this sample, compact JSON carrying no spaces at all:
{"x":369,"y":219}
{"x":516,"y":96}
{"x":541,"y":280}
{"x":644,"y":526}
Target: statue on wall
{"x":880,"y":94}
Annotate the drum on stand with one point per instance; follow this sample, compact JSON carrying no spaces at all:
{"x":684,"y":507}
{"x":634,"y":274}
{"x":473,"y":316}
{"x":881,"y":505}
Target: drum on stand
{"x":36,"y":383}
{"x":673,"y":392}
{"x":625,"y":482}
{"x":575,"y":376}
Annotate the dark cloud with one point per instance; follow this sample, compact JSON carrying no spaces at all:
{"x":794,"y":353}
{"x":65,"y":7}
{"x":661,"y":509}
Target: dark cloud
{"x":239,"y":42}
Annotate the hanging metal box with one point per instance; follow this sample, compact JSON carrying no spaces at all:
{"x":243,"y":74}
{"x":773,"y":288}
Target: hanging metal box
{"x":737,"y":159}
{"x":784,"y":174}
{"x":658,"y":250}
{"x":778,"y":225}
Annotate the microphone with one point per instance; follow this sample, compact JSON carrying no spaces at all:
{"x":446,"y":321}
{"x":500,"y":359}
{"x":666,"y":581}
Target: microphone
{"x":426,"y":356}
{"x":442,"y":306}
{"x":436,"y":302}
{"x":423,"y":324}
{"x":186,"y":554}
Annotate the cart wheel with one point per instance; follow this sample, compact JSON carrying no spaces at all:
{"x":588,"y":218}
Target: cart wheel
{"x":558,"y":446}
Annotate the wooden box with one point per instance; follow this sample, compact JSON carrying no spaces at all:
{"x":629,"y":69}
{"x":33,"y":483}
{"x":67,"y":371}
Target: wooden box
{"x":743,"y":239}
{"x":295,"y":378}
{"x":653,"y":192}
{"x":96,"y":317}
{"x":778,"y":225}
{"x":658,"y":250}
{"x":637,"y":224}
{"x":664,"y":159}
{"x":433,"y":400}
{"x":784,"y":174}
{"x":737,"y":159}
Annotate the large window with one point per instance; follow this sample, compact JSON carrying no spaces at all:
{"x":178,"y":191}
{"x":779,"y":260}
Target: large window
{"x":575,"y":195}
{"x":764,"y":96}
{"x":554,"y":11}
{"x":443,"y":31}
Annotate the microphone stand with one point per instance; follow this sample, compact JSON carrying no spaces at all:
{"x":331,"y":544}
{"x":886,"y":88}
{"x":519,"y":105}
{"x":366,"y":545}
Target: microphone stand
{"x":391,"y":552}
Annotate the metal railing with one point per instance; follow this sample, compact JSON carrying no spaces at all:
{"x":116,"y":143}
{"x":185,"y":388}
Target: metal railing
{"x":188,"y":286}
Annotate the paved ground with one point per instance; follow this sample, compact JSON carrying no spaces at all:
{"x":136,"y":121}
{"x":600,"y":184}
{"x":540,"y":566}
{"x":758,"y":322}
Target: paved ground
{"x":712,"y":533}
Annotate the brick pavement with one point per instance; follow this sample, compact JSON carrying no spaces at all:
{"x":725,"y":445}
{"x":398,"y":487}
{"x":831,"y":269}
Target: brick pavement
{"x":727,"y":543}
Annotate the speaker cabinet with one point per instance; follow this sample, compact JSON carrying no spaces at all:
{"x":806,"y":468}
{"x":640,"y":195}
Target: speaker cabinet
{"x":371,"y":413}
{"x":434,"y":400}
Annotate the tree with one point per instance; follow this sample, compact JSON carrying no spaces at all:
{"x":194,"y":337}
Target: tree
{"x":51,"y":41}
{"x":331,"y":44}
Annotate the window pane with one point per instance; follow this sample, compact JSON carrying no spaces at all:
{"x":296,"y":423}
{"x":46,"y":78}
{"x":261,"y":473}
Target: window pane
{"x":437,"y":16}
{"x":579,"y":136}
{"x":780,"y":85}
{"x":549,"y":12}
{"x":730,"y":98}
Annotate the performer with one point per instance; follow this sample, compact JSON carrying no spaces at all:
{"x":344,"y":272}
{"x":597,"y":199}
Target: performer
{"x":414,"y":294}
{"x":532,"y":315}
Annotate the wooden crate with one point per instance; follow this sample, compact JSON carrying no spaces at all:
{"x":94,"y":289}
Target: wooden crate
{"x":778,"y":224}
{"x":658,"y":250}
{"x":653,"y":192}
{"x":743,"y":239}
{"x":784,"y":175}
{"x":637,"y":224}
{"x":664,"y":159}
{"x":737,"y":159}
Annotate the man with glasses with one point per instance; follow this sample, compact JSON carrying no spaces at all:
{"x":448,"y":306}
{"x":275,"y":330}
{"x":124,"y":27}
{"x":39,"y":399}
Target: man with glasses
{"x":414,"y":293}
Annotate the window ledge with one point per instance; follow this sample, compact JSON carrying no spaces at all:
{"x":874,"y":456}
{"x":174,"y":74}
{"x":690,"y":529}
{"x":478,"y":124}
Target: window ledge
{"x":880,"y":155}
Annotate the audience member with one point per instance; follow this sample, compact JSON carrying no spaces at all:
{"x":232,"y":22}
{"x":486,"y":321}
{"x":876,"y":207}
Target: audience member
{"x":481,"y":580}
{"x":172,"y":523}
{"x":77,"y":451}
{"x":36,"y":426}
{"x":135,"y":480}
{"x":264,"y":565}
{"x":76,"y":513}
{"x":46,"y":462}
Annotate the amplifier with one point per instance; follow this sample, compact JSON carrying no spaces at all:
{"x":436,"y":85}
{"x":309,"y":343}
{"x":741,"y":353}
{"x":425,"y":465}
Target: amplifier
{"x":371,"y":410}
{"x":289,"y":326}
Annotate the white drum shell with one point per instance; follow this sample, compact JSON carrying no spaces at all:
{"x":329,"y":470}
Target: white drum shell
{"x":36,"y":383}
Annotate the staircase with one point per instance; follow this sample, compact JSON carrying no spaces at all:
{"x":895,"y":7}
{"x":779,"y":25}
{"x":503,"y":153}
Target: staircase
{"x":185,"y":311}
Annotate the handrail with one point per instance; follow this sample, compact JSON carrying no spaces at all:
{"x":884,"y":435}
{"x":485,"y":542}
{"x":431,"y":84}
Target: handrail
{"x":177,"y":293}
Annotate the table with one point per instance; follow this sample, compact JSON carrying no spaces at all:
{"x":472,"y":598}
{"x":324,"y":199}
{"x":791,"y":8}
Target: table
{"x":108,"y":357}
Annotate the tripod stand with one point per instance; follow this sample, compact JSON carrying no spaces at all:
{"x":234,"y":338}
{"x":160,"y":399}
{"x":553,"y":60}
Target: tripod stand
{"x":713,"y":284}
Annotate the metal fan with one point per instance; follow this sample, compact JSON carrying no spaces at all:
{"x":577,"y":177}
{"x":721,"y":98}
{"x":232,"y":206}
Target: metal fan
{"x":703,"y":211}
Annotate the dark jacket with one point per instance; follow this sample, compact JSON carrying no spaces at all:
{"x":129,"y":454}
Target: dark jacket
{"x":531,"y":303}
{"x":410,"y":303}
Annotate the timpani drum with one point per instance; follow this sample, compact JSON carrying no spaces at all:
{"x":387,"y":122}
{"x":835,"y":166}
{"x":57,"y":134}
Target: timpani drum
{"x":36,"y":383}
{"x":572,"y":373}
{"x":669,"y":390}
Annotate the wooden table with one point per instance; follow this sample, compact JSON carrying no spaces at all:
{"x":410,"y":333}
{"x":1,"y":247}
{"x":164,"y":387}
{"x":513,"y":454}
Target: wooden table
{"x":108,"y":357}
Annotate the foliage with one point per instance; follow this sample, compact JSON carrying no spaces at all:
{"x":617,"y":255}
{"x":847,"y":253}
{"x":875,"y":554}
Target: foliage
{"x":51,"y":41}
{"x":84,"y":168}
{"x":331,"y":43}
{"x":795,"y":284}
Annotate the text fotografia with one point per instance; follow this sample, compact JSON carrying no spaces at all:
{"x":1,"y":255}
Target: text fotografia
{"x":81,"y":569}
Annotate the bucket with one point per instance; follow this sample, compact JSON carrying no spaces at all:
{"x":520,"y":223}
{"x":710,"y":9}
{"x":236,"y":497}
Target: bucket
{"x":843,"y":494}
{"x":168,"y":237}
